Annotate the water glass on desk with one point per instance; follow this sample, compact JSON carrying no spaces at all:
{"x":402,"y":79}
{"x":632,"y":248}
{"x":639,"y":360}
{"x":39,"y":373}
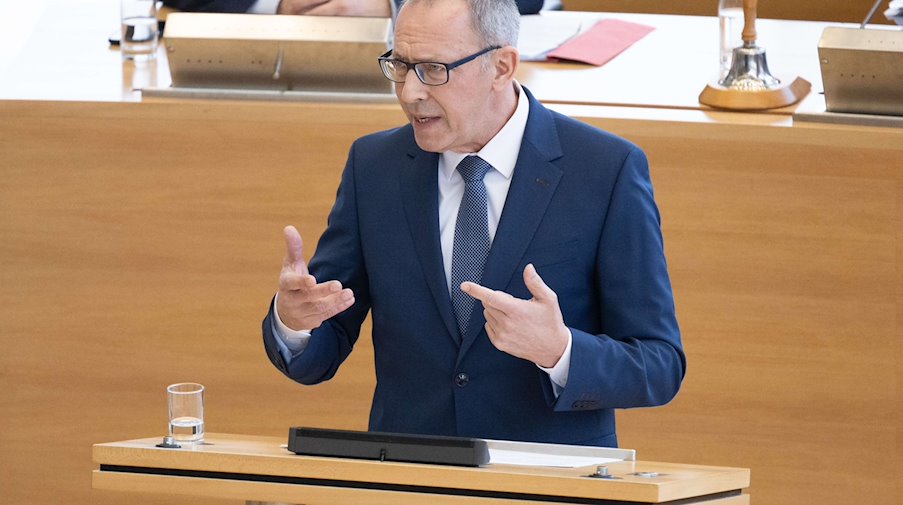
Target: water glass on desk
{"x":730,"y":28}
{"x":186,"y":412}
{"x":139,"y":31}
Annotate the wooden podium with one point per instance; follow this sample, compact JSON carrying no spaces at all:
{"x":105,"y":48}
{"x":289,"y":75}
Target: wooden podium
{"x":261,"y":469}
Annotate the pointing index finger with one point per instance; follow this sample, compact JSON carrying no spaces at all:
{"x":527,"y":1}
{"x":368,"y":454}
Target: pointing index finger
{"x":490,"y":298}
{"x":473,"y":289}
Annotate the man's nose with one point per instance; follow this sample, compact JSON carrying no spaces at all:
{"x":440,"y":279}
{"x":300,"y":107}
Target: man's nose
{"x":412,"y":89}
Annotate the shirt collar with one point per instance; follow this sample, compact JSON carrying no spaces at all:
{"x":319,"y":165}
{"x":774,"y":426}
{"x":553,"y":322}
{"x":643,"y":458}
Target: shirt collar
{"x":501,"y":151}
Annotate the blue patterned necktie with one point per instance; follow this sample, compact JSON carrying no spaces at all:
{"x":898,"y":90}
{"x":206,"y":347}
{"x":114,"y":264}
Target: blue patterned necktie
{"x":471,"y":246}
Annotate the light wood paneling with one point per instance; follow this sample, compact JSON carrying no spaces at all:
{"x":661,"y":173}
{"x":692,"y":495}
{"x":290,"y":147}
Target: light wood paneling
{"x":264,"y":456}
{"x":141,"y":245}
{"x":783,"y":245}
{"x":843,"y":11}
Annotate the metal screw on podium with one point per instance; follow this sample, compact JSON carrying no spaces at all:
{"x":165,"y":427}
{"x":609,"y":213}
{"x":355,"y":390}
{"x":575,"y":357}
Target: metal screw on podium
{"x":602,"y":473}
{"x":169,"y":443}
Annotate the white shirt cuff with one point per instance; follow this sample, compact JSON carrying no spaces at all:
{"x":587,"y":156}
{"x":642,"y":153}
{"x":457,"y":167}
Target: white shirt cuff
{"x":558,"y":374}
{"x":264,"y":7}
{"x":295,"y":340}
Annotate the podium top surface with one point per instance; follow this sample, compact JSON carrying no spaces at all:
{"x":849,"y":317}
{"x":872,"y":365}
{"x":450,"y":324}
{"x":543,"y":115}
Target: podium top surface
{"x":256,"y":458}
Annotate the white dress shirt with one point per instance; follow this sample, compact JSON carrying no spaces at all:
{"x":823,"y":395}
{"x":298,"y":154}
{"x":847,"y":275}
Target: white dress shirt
{"x":264,"y":7}
{"x":500,"y":152}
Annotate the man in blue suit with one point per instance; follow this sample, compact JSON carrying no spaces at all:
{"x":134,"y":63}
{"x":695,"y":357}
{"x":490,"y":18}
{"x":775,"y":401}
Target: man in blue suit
{"x":571,"y":313}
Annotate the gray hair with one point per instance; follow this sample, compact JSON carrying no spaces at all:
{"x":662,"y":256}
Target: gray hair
{"x":496,"y":22}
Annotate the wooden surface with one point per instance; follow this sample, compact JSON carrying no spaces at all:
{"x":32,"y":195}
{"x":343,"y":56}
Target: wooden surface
{"x":142,"y":241}
{"x":670,"y":66}
{"x":666,"y":69}
{"x":843,"y":11}
{"x":784,"y":249}
{"x":198,"y":488}
{"x":127,"y":266}
{"x":728,"y":98}
{"x":267,"y":456}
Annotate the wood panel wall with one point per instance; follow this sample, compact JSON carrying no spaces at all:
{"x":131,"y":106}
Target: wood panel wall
{"x":141,"y":245}
{"x":843,"y":11}
{"x":784,"y":250}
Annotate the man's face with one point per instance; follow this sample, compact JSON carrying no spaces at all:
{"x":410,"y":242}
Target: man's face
{"x":456,"y":115}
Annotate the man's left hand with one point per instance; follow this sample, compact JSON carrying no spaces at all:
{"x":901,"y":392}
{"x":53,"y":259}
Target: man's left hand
{"x":530,"y":329}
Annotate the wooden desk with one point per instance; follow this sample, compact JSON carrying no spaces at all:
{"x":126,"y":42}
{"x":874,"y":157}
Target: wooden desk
{"x":671,"y":65}
{"x":826,"y":10}
{"x":261,"y":469}
{"x":666,"y":69}
{"x":141,"y":245}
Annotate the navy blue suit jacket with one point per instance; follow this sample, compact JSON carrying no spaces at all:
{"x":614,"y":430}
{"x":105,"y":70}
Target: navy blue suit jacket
{"x":580,"y":208}
{"x":525,"y":6}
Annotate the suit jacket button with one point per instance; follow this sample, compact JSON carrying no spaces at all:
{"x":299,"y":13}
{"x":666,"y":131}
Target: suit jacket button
{"x":461,"y":380}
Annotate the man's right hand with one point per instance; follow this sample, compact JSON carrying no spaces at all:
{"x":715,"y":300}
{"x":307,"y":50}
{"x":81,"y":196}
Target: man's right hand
{"x":303,"y":303}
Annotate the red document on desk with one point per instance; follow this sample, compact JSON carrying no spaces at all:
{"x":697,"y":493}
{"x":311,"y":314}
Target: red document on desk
{"x":605,"y":40}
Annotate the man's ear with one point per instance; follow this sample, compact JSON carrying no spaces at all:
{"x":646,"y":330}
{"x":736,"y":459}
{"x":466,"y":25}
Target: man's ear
{"x":506,"y":60}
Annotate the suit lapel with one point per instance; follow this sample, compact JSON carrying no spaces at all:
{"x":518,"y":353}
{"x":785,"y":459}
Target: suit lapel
{"x":532,"y":187}
{"x":420,"y":195}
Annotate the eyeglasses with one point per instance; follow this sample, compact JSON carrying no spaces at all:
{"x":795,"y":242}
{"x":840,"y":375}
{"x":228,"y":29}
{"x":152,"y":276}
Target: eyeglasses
{"x":431,"y":73}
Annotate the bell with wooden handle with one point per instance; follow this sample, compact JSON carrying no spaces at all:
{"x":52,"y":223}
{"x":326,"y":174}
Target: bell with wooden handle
{"x":749,"y":85}
{"x":749,"y":68}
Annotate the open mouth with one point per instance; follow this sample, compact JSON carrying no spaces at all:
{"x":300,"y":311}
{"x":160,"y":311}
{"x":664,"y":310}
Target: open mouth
{"x":424,"y":119}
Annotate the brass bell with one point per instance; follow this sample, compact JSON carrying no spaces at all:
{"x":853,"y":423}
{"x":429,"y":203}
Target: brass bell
{"x":749,"y":85}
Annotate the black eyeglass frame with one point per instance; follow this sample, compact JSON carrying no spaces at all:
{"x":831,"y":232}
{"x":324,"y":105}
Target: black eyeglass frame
{"x":384,"y":59}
